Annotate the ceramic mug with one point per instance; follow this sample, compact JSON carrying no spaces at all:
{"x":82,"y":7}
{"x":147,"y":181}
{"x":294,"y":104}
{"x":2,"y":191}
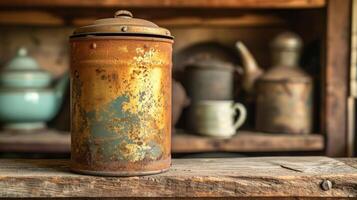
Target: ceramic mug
{"x":216,"y":118}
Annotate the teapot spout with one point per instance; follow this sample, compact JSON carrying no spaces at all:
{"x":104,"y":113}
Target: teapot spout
{"x":252,"y":71}
{"x":60,"y":88}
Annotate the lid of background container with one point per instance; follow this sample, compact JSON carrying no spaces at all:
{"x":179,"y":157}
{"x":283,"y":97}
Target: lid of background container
{"x":210,"y":64}
{"x":123,"y":23}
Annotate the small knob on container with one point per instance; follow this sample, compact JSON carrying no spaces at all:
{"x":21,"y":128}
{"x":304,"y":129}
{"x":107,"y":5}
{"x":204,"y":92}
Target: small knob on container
{"x":123,"y":13}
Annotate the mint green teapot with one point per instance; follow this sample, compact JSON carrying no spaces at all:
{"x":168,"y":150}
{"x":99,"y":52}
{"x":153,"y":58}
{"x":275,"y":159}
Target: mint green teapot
{"x":28,"y":96}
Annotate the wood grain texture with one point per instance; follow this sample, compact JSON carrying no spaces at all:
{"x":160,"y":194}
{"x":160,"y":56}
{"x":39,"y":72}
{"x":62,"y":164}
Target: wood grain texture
{"x":168,"y":3}
{"x":349,"y":161}
{"x":51,"y":141}
{"x":336,"y":76}
{"x":237,"y":177}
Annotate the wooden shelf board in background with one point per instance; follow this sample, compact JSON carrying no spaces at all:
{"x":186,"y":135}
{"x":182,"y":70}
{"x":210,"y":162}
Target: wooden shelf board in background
{"x":170,"y":13}
{"x":50,"y":141}
{"x":41,"y":141}
{"x":168,"y":3}
{"x":247,"y":141}
{"x":48,"y":18}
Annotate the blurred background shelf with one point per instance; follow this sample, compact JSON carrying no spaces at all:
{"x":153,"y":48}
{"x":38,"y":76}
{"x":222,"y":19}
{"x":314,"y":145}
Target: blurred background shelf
{"x":41,"y":141}
{"x":51,"y":141}
{"x":247,"y":141}
{"x":164,"y":13}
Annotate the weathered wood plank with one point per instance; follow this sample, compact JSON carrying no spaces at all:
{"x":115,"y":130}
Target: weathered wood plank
{"x":238,"y":177}
{"x":349,"y":161}
{"x":336,"y":76}
{"x":168,"y":3}
{"x":51,"y":141}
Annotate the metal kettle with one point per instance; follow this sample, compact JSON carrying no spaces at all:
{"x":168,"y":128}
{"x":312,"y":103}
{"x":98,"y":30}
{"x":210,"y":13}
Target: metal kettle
{"x":283,"y":92}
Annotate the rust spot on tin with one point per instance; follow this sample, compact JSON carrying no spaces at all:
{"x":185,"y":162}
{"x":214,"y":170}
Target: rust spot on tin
{"x":98,"y":71}
{"x":76,"y":74}
{"x":93,"y":46}
{"x":114,"y":77}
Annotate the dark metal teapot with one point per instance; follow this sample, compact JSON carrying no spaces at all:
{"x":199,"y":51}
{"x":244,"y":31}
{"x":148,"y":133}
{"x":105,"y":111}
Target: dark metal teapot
{"x":284,"y":92}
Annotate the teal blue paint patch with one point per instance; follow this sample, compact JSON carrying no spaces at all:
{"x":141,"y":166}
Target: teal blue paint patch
{"x":109,"y":128}
{"x":111,"y":120}
{"x":109,"y":133}
{"x":155,"y":151}
{"x":107,"y":149}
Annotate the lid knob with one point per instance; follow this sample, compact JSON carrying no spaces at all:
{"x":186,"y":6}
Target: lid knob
{"x":123,"y":13}
{"x":286,"y":49}
{"x":287,"y":41}
{"x":22,"y":51}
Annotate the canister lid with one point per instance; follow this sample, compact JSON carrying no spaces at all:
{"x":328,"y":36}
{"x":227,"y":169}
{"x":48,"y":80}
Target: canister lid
{"x":123,"y":23}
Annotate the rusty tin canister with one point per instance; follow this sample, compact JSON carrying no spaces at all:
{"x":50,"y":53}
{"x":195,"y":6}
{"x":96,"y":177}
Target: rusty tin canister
{"x":284,"y":93}
{"x":121,"y":97}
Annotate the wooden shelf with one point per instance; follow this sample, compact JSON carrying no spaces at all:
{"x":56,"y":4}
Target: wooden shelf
{"x":42,"y":141}
{"x":274,"y":177}
{"x":245,"y":141}
{"x":48,"y":18}
{"x":167,"y":3}
{"x":166,"y":13}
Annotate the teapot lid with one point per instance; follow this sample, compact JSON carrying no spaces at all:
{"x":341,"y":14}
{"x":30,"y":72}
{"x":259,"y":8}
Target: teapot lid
{"x":123,"y":23}
{"x":24,"y":71}
{"x":22,"y":61}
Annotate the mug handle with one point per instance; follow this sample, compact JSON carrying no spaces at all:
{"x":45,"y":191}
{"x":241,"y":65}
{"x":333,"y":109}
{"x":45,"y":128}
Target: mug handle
{"x":243,"y":114}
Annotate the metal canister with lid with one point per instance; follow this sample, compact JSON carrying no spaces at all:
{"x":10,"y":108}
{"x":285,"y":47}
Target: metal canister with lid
{"x":284,"y":92}
{"x":121,"y":97}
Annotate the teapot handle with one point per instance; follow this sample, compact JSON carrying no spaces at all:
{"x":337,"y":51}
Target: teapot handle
{"x":238,"y":107}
